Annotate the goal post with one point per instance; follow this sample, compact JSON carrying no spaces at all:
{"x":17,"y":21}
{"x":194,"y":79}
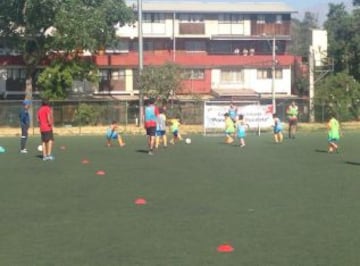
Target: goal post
{"x":257,"y":116}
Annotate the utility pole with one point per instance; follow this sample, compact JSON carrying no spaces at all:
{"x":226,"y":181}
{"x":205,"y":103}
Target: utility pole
{"x":141,"y":64}
{"x":273,"y":68}
{"x":311,"y":85}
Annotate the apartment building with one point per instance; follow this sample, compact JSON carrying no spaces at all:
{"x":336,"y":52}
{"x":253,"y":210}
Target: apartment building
{"x":225,"y":49}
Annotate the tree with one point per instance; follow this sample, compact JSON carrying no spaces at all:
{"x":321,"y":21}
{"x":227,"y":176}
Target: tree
{"x":339,"y":29}
{"x":160,"y":82}
{"x":37,"y":27}
{"x":340,"y":93}
{"x":59,"y":76}
{"x":301,"y":34}
{"x":89,"y":24}
{"x":354,"y":45}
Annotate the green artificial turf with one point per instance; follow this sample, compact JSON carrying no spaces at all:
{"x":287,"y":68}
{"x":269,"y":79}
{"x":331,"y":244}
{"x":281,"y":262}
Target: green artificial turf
{"x":275,"y":204}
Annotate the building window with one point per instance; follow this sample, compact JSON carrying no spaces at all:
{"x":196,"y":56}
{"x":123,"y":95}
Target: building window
{"x":260,"y":19}
{"x":104,"y":74}
{"x":232,"y":76}
{"x":16,"y":73}
{"x":231,"y":19}
{"x":3,"y":74}
{"x":278,"y":19}
{"x":194,"y":74}
{"x":278,"y":74}
{"x":154,"y":18}
{"x":267,"y":73}
{"x":191,"y":18}
{"x":118,"y":46}
{"x":221,"y":47}
{"x":195,"y":46}
{"x":117,"y":74}
{"x":148,"y":45}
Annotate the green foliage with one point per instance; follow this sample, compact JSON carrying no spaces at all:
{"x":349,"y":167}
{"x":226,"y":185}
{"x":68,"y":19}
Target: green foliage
{"x":56,"y":80}
{"x":302,"y":84}
{"x":338,"y":26}
{"x":87,"y":114}
{"x":160,"y":82}
{"x":89,"y":25}
{"x":340,"y":93}
{"x":36,"y":27}
{"x":301,"y":33}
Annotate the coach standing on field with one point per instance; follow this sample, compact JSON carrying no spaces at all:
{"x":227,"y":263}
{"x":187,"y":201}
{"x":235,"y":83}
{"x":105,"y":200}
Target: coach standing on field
{"x":24,"y":117}
{"x":151,"y":114}
{"x":292,"y":113}
{"x":45,"y":119}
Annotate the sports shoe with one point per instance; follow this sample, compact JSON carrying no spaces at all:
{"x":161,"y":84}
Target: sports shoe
{"x":51,"y":157}
{"x":46,"y":158}
{"x":24,"y":151}
{"x":150,"y":153}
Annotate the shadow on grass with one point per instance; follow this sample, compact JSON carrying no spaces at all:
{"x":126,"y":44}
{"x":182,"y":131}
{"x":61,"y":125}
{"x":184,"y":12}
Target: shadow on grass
{"x":142,"y":151}
{"x":353,"y":163}
{"x":322,"y":151}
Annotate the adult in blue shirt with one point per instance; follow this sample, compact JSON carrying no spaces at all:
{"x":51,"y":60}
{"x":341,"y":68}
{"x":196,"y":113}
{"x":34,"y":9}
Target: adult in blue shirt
{"x":24,"y":124}
{"x":233,"y":112}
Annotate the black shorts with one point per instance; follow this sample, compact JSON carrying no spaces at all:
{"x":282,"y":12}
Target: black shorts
{"x":293,"y":121}
{"x":150,"y":131}
{"x":47,"y":136}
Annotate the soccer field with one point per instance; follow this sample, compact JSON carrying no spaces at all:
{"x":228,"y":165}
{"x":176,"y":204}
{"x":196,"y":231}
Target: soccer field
{"x":275,"y":204}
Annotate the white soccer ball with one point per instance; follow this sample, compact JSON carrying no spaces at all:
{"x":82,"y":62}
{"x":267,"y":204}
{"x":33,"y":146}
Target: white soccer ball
{"x":39,"y":148}
{"x":188,"y":140}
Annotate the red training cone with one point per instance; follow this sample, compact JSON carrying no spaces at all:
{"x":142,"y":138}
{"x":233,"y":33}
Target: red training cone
{"x":100,"y":172}
{"x":140,"y":201}
{"x":225,"y":248}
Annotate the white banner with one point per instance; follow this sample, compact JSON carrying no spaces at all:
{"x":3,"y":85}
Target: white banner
{"x":257,"y":116}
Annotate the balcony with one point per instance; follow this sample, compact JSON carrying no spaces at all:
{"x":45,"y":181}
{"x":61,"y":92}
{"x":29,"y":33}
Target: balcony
{"x":192,"y":28}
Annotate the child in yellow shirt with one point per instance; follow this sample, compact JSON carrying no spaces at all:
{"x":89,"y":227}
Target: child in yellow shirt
{"x":174,"y":127}
{"x":229,"y":129}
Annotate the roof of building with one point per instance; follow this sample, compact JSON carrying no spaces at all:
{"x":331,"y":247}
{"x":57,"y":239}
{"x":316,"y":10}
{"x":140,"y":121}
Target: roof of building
{"x":216,"y":7}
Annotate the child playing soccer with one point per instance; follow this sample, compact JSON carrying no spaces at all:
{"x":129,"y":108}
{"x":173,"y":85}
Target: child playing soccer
{"x":229,"y":129}
{"x":278,"y":135}
{"x":240,"y":130}
{"x":112,"y":134}
{"x":161,"y":129}
{"x":174,"y":127}
{"x":333,"y":134}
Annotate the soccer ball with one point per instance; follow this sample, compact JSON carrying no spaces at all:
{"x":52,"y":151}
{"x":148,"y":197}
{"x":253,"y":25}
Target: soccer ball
{"x":39,"y":148}
{"x":188,"y":140}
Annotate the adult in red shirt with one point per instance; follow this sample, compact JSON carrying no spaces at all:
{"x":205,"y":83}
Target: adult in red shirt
{"x":45,"y":119}
{"x":151,"y":113}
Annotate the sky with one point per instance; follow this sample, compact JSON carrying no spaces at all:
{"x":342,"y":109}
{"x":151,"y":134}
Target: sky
{"x":317,"y":7}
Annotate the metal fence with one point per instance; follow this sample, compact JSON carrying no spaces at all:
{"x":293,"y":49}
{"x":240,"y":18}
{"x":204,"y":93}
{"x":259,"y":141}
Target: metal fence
{"x":76,"y":113}
{"x":79,"y":113}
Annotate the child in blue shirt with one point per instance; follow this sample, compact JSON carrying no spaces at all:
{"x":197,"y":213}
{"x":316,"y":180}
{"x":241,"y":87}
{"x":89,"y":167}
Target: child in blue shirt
{"x":113,"y":134}
{"x":278,"y":135}
{"x":241,"y":130}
